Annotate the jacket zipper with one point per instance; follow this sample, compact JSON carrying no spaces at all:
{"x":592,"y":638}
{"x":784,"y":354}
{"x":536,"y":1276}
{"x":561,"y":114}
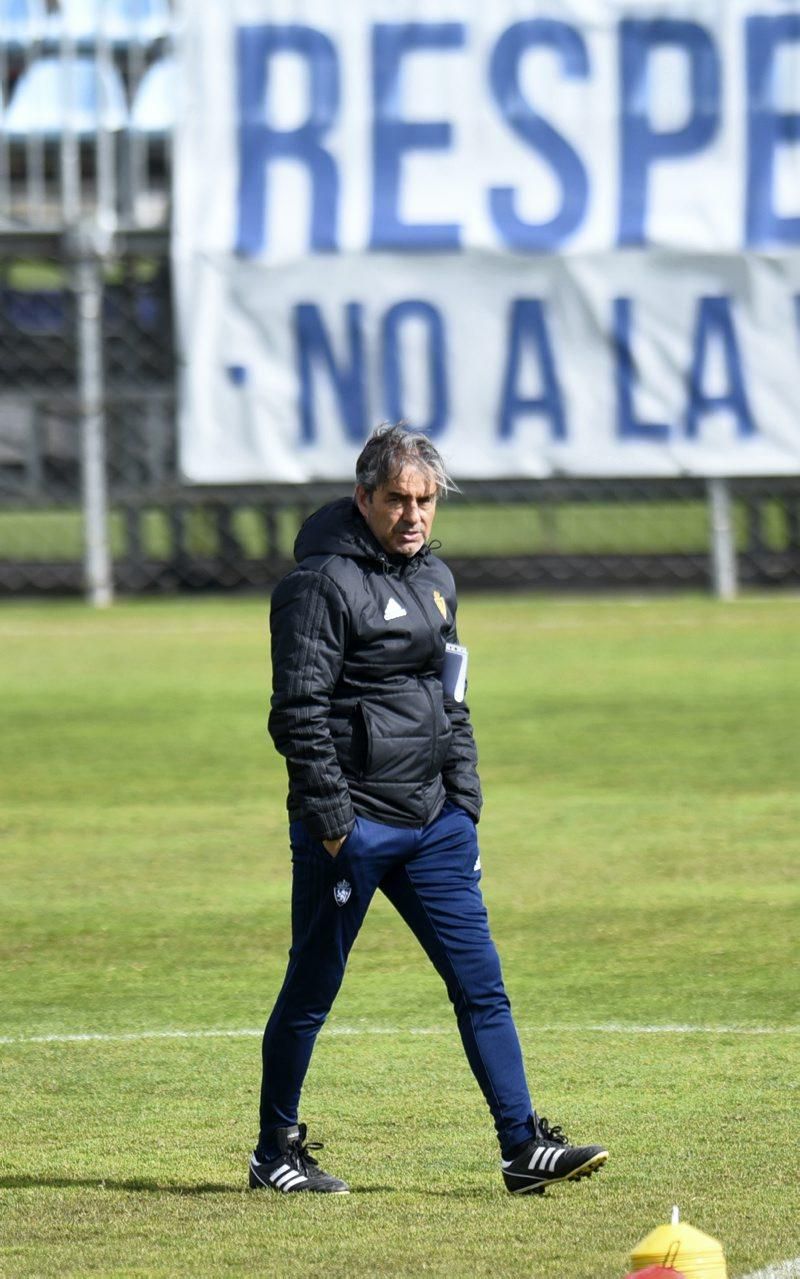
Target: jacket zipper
{"x":428,"y":693}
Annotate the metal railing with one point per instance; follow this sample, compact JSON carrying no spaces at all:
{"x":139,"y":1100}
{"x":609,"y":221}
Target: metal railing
{"x":90,"y":493}
{"x":87,"y":99}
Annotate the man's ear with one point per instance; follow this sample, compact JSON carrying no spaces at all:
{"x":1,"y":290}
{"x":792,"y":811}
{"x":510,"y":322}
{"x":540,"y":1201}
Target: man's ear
{"x":363,"y":499}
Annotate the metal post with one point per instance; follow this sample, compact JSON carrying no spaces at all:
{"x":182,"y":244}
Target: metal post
{"x":723,"y":542}
{"x":69,"y":152}
{"x":88,"y":286}
{"x":5,"y":146}
{"x":105,"y":143}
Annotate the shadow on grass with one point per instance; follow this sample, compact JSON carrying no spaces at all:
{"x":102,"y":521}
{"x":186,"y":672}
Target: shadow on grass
{"x":142,"y":1185}
{"x":107,"y":1183}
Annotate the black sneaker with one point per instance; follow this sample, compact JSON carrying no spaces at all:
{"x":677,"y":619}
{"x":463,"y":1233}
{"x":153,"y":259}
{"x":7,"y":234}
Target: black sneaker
{"x":294,"y":1168}
{"x":549,"y":1158}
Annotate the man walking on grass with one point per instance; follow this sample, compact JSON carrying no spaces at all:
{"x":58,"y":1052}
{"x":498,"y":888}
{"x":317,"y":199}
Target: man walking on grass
{"x":384,"y":794}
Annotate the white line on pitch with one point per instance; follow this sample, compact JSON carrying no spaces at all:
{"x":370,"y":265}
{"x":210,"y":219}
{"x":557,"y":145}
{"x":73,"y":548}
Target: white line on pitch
{"x":780,"y":1270}
{"x":131,"y":1036}
{"x":677,"y":1028}
{"x":249,"y":1032}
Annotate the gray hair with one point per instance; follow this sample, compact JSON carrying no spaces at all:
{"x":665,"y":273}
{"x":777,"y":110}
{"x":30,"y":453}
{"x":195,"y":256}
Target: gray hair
{"x":391,"y":448}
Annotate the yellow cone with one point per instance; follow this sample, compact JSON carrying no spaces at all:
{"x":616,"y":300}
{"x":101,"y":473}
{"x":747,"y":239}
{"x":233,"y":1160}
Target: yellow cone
{"x":693,"y":1254}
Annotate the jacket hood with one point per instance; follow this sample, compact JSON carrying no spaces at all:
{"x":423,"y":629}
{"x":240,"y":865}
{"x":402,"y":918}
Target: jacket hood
{"x":340,"y":529}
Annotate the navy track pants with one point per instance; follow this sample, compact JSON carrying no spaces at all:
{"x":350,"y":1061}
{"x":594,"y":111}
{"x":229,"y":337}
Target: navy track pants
{"x":431,"y":875}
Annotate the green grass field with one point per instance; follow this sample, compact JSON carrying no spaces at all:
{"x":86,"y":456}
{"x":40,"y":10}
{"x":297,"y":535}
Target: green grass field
{"x":587,"y":528}
{"x":640,"y":866}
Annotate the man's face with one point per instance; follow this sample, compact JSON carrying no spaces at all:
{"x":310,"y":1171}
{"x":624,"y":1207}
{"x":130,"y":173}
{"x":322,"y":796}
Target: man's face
{"x":400,"y":513}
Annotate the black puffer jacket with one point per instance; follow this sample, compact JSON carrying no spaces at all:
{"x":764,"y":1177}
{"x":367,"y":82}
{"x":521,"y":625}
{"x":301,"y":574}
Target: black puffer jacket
{"x":358,"y":708}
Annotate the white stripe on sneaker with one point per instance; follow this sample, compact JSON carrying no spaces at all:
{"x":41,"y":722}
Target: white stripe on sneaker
{"x":278,"y":1172}
{"x":292,"y":1181}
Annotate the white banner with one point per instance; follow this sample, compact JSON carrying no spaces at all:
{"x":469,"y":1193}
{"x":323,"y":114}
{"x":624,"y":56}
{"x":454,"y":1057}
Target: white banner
{"x":560,"y":239}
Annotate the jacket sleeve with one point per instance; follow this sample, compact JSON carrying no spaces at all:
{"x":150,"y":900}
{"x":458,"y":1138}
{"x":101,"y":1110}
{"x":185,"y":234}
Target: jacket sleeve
{"x":460,"y":769}
{"x":309,"y":625}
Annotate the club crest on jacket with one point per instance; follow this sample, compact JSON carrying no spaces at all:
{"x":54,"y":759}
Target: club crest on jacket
{"x":438,"y":600}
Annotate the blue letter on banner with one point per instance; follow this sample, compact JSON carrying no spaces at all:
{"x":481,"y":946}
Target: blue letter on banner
{"x":714,"y":320}
{"x":259,"y":144}
{"x":528,"y":328}
{"x":437,"y":373}
{"x":313,"y":345}
{"x":522,"y":118}
{"x":767,"y":129}
{"x":628,"y":428}
{"x":393,"y":136}
{"x":639,"y":145}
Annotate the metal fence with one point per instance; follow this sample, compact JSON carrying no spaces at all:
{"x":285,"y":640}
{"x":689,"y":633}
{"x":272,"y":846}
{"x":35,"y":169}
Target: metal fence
{"x":90,"y":492}
{"x":166,"y":535}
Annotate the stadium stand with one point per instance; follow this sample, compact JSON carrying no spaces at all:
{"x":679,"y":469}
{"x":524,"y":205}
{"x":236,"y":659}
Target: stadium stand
{"x":22,"y":23}
{"x":153,"y":108}
{"x":120,"y":22}
{"x":56,"y":95}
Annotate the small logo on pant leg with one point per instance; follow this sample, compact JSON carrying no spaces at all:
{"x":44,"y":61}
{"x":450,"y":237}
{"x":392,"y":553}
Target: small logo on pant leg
{"x":341,"y":892}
